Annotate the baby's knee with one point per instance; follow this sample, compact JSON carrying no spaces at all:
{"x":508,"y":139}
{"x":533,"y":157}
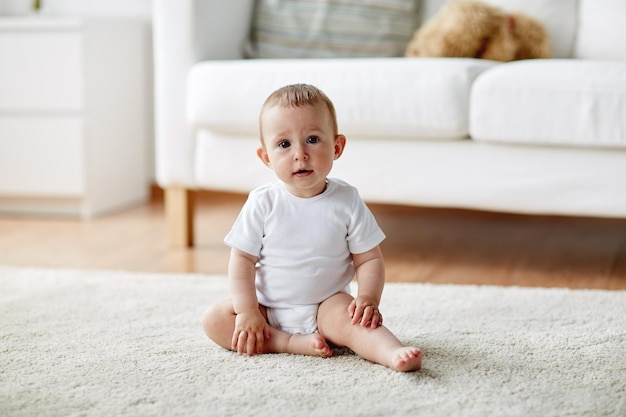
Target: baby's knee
{"x":207,"y":321}
{"x":214,"y":318}
{"x":336,"y":304}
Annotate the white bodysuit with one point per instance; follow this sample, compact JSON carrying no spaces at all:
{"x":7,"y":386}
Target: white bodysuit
{"x":304,"y":247}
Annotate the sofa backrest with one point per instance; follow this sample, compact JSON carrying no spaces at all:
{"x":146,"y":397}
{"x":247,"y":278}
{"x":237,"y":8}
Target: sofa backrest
{"x":588,"y":29}
{"x":601,"y":30}
{"x":559,"y":17}
{"x":218,"y":34}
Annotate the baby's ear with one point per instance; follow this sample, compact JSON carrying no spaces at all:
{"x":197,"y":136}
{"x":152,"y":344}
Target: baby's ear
{"x":262,"y":154}
{"x":340,"y":145}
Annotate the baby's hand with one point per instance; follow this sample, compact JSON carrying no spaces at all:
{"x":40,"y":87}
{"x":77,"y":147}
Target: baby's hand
{"x":364,"y":311}
{"x":251,"y":331}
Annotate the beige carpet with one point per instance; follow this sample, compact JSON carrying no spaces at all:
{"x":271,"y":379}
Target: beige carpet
{"x":102,"y":343}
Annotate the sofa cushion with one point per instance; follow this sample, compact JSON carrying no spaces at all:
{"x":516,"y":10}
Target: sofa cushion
{"x":331,"y":28}
{"x":374,"y":97}
{"x":551,"y":102}
{"x":601,"y":32}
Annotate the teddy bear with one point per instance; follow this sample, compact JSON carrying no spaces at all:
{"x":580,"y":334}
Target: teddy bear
{"x":472,"y":29}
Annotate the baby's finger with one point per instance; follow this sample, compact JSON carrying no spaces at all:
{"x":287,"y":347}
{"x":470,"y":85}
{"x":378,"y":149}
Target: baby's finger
{"x":241,"y":343}
{"x":358,"y":314}
{"x":368,"y":315}
{"x":251,"y":344}
{"x":235,"y":340}
{"x":259,"y":342}
{"x":377,"y":319}
{"x":352,"y":308}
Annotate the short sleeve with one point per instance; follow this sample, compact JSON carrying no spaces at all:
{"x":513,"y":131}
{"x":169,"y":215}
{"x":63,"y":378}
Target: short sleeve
{"x":248,"y":230}
{"x":363,"y":231}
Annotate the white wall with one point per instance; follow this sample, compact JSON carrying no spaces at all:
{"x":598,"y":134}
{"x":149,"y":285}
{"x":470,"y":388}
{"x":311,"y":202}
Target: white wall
{"x":130,"y":8}
{"x":141,"y":9}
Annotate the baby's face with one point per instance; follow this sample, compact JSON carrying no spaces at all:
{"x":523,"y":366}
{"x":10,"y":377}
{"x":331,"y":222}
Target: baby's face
{"x":300,"y":146}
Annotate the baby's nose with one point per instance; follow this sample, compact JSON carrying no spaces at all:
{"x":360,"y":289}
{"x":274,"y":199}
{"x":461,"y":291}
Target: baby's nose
{"x":300,"y":154}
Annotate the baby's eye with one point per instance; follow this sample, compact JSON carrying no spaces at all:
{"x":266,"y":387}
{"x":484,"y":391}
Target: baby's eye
{"x":312,"y":139}
{"x":283,"y":144}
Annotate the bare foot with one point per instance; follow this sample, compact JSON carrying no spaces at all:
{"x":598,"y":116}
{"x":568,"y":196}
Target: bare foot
{"x":309,"y":344}
{"x":406,"y":359}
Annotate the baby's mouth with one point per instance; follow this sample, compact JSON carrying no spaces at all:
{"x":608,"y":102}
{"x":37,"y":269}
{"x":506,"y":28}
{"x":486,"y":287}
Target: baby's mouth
{"x":302,"y":172}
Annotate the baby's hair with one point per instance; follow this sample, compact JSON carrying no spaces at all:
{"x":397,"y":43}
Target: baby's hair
{"x":298,"y":95}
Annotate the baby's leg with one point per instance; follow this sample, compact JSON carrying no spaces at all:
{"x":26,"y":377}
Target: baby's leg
{"x":377,"y":345}
{"x":218,"y":322}
{"x":298,"y":344}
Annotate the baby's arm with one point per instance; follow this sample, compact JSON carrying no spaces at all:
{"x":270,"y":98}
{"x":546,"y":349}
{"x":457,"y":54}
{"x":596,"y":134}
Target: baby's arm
{"x":370,"y":275}
{"x":251,"y":329}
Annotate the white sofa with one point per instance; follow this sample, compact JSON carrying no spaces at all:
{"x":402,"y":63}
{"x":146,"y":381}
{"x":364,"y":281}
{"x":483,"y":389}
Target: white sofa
{"x":534,"y":137}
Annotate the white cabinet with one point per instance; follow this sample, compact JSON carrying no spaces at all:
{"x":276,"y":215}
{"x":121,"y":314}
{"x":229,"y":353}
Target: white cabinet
{"x":73,"y":115}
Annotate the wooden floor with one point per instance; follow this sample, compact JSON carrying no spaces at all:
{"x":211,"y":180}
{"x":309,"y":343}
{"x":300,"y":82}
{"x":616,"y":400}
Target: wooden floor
{"x":422,"y":245}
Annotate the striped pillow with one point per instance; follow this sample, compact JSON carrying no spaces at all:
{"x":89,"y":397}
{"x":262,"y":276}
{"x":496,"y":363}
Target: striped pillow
{"x":331,"y":28}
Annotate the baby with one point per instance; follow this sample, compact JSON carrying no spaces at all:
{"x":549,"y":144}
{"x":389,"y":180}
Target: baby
{"x":298,"y":243}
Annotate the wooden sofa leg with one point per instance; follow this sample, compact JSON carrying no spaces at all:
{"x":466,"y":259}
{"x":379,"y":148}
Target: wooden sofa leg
{"x":179,"y":212}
